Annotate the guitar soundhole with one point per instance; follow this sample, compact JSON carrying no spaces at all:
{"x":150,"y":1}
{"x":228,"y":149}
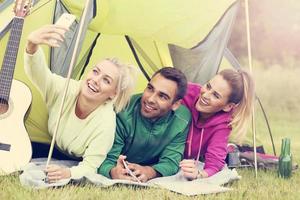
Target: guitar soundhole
{"x":3,"y":106}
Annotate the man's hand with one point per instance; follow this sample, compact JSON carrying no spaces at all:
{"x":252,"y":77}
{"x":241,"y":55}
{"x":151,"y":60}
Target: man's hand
{"x":56,"y":173}
{"x":143,"y":173}
{"x":190,"y":169}
{"x":119,"y":171}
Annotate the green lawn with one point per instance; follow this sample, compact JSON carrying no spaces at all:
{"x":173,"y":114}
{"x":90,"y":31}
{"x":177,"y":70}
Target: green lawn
{"x":266,"y":186}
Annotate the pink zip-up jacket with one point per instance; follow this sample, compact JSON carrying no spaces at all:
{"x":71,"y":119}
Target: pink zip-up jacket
{"x":207,"y":139}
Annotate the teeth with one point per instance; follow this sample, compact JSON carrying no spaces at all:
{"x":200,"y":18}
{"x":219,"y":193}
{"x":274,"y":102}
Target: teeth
{"x":148,"y":107}
{"x":203,"y":102}
{"x":92,"y":87}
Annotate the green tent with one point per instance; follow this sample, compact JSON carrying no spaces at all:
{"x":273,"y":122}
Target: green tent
{"x":190,"y":35}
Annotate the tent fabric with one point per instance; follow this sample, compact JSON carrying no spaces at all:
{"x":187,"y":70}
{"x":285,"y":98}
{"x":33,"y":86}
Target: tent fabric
{"x":170,"y":21}
{"x":5,"y":4}
{"x":202,"y":62}
{"x":60,"y":58}
{"x":5,"y":10}
{"x":147,"y":25}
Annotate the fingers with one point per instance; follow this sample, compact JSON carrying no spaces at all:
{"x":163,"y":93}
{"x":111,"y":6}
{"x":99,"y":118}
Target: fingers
{"x":56,"y":173}
{"x":120,"y":160}
{"x":122,"y":157}
{"x":52,"y":168}
{"x":132,"y":172}
{"x":50,"y":35}
{"x":188,"y":163}
{"x":190,"y":176}
{"x":127,"y":177}
{"x":189,"y":169}
{"x":137,"y":172}
{"x":54,"y":176}
{"x":143,"y":178}
{"x":133,"y":166}
{"x":118,"y":172}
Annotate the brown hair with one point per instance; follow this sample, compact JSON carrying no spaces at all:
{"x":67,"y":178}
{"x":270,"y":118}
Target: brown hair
{"x":242,"y":94}
{"x":177,"y":76}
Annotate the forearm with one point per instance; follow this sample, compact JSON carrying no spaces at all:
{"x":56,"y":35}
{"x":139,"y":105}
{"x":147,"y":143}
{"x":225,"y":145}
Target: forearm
{"x":81,"y":169}
{"x":212,"y":168}
{"x":166,"y":168}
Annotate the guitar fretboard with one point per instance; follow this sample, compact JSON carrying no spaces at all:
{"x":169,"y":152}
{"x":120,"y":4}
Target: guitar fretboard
{"x":10,"y":57}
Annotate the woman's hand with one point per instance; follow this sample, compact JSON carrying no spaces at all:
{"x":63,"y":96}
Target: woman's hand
{"x":50,"y":35}
{"x":56,"y":173}
{"x":190,"y":169}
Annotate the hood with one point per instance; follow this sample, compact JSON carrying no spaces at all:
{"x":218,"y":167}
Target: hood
{"x":220,"y":119}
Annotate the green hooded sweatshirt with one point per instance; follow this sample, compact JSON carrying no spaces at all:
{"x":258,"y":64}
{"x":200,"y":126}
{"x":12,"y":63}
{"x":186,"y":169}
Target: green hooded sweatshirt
{"x":159,"y":144}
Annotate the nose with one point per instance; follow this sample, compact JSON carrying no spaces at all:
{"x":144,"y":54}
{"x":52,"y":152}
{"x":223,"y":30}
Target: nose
{"x":151,"y":98}
{"x":206,"y":95}
{"x":97,"y":79}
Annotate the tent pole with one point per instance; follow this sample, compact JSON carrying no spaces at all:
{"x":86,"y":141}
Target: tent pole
{"x":71,"y":66}
{"x":250,"y":67}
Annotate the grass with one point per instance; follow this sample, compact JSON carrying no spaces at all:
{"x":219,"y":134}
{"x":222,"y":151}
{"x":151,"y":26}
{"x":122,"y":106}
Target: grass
{"x":278,"y":90}
{"x":266,"y":186}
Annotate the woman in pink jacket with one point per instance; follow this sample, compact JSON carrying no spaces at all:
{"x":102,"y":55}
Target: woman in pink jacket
{"x":225,"y":102}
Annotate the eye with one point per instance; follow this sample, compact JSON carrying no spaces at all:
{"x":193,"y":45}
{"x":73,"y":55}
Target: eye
{"x":163,"y":97}
{"x":208,"y":86}
{"x":149,"y":88}
{"x":106,"y":80}
{"x":217,"y":95}
{"x":95,"y":71}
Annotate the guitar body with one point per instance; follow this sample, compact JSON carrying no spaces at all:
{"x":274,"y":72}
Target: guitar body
{"x":15,"y":98}
{"x":14,"y":139}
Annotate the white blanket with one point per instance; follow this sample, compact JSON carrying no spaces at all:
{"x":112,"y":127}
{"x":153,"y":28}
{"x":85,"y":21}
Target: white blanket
{"x":34,"y":176}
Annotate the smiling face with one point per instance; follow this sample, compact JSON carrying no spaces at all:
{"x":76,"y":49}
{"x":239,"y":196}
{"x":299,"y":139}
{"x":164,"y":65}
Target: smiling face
{"x":101,"y":83}
{"x":214,"y":97}
{"x":158,"y":97}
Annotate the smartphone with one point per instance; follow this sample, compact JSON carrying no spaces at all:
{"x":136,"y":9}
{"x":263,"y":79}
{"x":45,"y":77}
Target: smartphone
{"x":66,"y":20}
{"x":130,"y":172}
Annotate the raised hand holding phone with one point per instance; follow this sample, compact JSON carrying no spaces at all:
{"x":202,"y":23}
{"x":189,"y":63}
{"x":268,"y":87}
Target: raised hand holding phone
{"x":50,"y":35}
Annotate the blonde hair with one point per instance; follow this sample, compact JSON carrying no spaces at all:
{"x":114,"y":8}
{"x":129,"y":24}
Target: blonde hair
{"x":243,"y":95}
{"x":126,"y":84}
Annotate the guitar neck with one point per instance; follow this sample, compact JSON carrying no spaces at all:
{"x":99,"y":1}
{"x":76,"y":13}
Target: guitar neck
{"x":10,"y":57}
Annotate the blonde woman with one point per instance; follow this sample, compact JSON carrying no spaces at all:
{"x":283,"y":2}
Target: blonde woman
{"x":225,"y":102}
{"x":88,"y":121}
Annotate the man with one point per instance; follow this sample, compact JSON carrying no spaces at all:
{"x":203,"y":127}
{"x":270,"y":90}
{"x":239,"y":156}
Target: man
{"x":151,"y":131}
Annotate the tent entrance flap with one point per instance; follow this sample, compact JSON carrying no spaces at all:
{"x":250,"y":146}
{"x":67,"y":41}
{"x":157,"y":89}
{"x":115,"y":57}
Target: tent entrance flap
{"x":201,"y":62}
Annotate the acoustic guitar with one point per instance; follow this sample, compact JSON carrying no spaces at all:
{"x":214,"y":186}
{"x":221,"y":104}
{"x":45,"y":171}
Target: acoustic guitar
{"x":15,"y":99}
